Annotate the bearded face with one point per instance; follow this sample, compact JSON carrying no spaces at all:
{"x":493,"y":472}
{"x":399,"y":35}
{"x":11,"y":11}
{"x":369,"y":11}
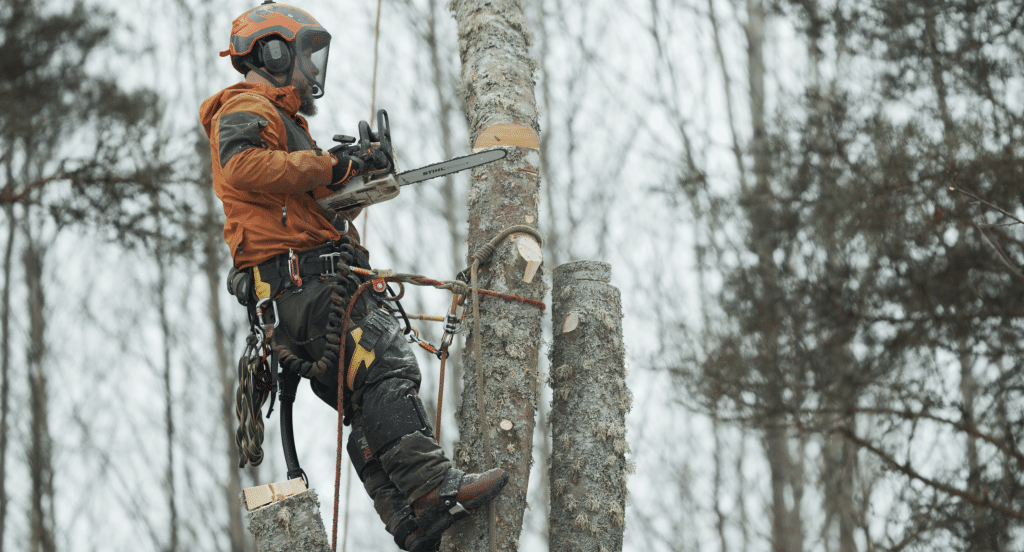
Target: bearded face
{"x":305,"y":87}
{"x":308,"y":105}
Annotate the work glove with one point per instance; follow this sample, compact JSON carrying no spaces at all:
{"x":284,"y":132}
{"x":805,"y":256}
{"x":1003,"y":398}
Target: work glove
{"x":341,"y":172}
{"x":370,"y":149}
{"x":366,"y":156}
{"x":355,"y":157}
{"x":349,"y":166}
{"x":373,"y":158}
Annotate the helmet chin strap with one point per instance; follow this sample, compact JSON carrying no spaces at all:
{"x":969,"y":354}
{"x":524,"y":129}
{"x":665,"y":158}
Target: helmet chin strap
{"x":270,"y":78}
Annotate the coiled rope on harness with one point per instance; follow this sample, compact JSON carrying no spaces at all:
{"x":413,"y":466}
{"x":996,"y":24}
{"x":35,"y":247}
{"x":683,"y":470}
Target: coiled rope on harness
{"x":254,"y":386}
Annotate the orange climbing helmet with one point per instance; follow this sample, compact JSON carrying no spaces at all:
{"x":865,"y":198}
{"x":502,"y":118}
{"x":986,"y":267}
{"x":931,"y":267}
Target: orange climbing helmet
{"x":274,"y":37}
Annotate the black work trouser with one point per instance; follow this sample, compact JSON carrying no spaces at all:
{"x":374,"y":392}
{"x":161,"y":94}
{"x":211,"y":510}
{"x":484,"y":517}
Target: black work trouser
{"x":391,"y":442}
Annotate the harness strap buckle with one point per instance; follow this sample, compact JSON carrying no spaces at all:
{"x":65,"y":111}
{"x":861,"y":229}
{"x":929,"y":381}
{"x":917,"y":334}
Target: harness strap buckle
{"x":330,"y":260}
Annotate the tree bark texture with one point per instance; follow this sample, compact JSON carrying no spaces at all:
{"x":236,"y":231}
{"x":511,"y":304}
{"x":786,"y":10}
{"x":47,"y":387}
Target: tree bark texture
{"x":500,"y":387}
{"x":289,"y":525}
{"x":588,"y":411}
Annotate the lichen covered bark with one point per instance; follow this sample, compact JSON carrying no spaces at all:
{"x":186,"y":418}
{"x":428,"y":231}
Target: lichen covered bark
{"x":588,"y":411}
{"x":498,"y":84}
{"x":289,"y":525}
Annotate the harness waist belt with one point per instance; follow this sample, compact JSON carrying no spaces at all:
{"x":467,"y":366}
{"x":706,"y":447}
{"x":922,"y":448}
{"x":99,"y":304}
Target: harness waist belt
{"x":320,"y":260}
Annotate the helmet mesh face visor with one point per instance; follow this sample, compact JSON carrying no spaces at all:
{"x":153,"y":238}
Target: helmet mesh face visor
{"x":311,"y":48}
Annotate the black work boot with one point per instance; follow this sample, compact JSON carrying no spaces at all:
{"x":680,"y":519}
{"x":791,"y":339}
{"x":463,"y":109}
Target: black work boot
{"x":458,"y":495}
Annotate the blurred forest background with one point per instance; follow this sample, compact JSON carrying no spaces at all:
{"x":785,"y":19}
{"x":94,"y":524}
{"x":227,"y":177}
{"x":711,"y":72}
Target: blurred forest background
{"x":812,"y":208}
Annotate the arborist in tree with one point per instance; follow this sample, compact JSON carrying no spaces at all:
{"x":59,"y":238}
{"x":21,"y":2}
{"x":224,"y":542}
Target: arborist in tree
{"x":269,"y":174}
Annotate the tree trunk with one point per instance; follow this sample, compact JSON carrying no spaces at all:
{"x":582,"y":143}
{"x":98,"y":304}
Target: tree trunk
{"x":500,"y":386}
{"x":5,"y":365}
{"x":165,"y":370}
{"x":839,"y":466}
{"x":290,"y":525}
{"x":720,"y":516}
{"x":588,"y":414}
{"x":786,"y":470}
{"x":755,"y":68}
{"x":786,"y":529}
{"x":39,"y":454}
{"x":727,"y":92}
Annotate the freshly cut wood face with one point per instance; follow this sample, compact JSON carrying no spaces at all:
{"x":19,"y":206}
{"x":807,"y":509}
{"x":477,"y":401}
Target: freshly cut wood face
{"x":257,"y":497}
{"x":530,"y":251}
{"x":507,"y":135}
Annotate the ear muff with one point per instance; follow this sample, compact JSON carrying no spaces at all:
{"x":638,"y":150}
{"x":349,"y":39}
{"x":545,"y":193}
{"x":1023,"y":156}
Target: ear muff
{"x":275,"y":56}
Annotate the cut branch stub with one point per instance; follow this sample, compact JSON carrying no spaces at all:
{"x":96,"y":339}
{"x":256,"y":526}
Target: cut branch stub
{"x":530,"y":251}
{"x":570,"y":323}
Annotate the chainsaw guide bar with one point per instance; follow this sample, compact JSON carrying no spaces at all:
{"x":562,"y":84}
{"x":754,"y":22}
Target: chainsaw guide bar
{"x":367,"y":190}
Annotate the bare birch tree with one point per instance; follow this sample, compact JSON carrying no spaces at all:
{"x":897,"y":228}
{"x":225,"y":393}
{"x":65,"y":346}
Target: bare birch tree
{"x":497,"y":417}
{"x":588,"y":415}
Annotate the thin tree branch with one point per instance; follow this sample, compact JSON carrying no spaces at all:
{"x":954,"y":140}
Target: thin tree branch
{"x":906,"y":469}
{"x":999,"y":254}
{"x":985,"y":203}
{"x":970,"y":430}
{"x":7,"y":195}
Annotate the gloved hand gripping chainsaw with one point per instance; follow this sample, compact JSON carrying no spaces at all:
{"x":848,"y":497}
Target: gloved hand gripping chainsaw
{"x":373,"y":173}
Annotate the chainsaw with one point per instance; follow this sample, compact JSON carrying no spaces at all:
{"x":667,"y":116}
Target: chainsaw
{"x":382,"y":184}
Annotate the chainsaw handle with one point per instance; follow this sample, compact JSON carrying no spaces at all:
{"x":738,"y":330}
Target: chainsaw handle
{"x":384,"y":131}
{"x":366,"y":136}
{"x":384,"y":137}
{"x":362,"y":150}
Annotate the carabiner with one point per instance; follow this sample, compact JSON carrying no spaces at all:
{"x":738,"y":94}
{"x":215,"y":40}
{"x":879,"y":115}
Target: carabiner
{"x":259,"y":312}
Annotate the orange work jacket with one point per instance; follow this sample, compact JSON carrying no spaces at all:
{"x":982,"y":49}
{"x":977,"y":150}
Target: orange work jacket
{"x":268,"y":172}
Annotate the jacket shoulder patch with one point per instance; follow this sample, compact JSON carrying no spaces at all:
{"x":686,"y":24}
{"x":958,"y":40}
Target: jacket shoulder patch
{"x":238,"y":132}
{"x":298,"y":140}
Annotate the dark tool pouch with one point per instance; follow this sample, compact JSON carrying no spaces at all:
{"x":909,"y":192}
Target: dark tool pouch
{"x":240,"y":285}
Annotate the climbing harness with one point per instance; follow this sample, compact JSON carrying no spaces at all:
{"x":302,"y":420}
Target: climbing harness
{"x":259,"y":377}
